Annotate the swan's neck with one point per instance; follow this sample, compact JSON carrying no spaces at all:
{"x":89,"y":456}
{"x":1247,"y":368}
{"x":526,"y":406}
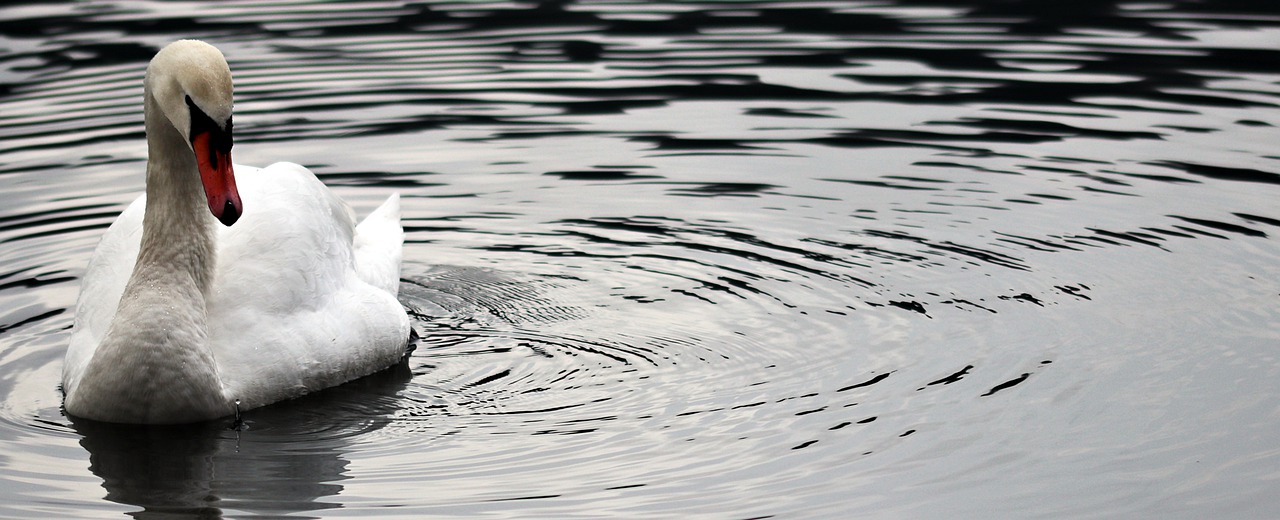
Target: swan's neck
{"x":178,"y":231}
{"x":154,"y":363}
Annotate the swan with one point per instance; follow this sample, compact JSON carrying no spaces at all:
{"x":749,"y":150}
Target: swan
{"x":226,"y":287}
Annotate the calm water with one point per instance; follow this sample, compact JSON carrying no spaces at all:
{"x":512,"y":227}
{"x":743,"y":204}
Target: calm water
{"x":734,"y":259}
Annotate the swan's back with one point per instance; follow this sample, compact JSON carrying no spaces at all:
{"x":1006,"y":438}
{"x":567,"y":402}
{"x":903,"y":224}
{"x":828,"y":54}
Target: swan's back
{"x":297,"y":306}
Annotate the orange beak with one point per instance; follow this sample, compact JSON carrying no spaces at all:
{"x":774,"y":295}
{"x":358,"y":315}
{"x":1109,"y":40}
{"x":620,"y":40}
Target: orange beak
{"x":218,"y":177}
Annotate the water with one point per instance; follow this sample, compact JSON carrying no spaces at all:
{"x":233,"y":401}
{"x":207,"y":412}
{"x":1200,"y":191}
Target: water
{"x":730,"y":259}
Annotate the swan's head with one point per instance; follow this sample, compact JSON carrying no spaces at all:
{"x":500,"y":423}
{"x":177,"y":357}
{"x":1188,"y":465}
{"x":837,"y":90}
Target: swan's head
{"x":190,"y":82}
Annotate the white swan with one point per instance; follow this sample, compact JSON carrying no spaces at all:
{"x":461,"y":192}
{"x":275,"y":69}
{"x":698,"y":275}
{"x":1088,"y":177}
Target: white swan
{"x":180,"y":317}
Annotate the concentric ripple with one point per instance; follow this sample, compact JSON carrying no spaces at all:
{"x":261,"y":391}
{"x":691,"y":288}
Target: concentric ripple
{"x":725,"y":259}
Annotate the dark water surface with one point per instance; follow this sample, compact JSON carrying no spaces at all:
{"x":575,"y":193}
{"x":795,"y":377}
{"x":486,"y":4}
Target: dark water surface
{"x":733,"y":259}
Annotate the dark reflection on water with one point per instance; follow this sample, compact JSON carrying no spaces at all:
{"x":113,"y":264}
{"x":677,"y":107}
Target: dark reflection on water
{"x":818,"y":259}
{"x":282,"y":460}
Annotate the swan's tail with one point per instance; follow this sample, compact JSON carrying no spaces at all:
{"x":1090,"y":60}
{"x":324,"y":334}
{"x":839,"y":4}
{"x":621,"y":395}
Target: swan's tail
{"x":378,"y":243}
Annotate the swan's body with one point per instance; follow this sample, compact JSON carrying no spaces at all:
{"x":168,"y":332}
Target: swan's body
{"x":180,"y":318}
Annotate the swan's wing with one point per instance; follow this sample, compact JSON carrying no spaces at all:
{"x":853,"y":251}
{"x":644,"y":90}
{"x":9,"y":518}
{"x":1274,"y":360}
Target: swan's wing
{"x":289,"y":312}
{"x":100,"y":289}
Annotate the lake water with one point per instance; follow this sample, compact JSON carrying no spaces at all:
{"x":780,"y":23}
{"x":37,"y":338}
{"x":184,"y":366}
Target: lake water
{"x":805,"y":259}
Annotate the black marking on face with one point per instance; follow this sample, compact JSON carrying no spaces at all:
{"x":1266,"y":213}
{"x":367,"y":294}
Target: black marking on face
{"x":219,"y":139}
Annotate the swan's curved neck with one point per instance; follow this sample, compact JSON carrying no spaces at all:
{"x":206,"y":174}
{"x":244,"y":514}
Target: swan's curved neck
{"x":154,"y":364}
{"x":177,"y":230}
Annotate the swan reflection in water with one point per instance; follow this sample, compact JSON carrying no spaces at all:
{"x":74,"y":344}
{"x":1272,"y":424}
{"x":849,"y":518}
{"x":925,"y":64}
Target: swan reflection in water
{"x":205,"y":469}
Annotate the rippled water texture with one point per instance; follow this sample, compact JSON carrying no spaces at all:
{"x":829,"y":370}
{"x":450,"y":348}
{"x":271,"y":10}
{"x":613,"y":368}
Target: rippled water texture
{"x":733,"y":259}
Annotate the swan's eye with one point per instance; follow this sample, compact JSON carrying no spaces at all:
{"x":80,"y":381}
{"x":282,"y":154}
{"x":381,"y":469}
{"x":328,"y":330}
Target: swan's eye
{"x":201,"y":123}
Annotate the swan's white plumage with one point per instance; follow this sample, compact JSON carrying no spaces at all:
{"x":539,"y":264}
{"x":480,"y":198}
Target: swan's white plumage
{"x":300,"y":298}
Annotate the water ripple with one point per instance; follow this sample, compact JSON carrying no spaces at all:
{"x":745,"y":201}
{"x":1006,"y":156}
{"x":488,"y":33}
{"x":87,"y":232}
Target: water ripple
{"x":809,"y":258}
